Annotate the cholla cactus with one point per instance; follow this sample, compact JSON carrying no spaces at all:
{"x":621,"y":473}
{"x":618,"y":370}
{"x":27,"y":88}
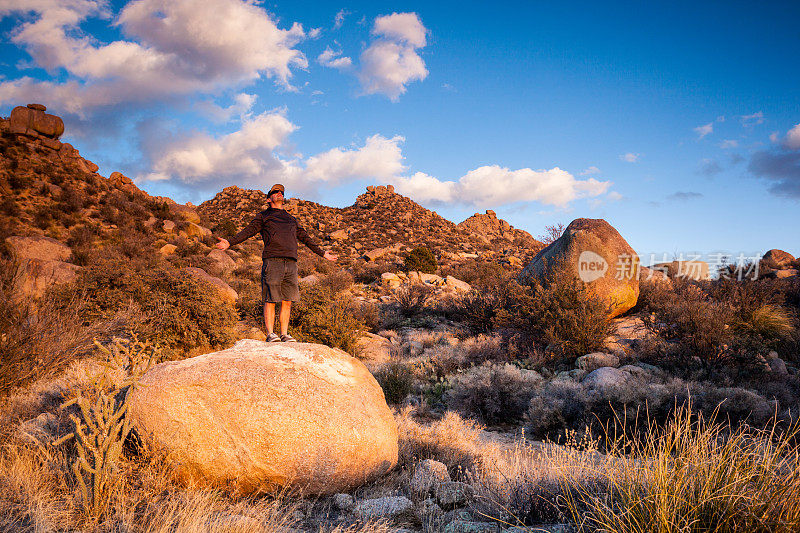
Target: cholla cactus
{"x":101,"y":430}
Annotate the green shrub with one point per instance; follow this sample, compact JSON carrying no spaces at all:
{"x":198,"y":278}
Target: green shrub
{"x":180,"y":312}
{"x":324,"y":317}
{"x":421,"y":259}
{"x":225,"y":228}
{"x":397,"y":381}
{"x":481,"y":275}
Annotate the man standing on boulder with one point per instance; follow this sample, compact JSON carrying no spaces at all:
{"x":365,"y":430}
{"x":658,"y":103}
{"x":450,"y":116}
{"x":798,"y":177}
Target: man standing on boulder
{"x":279,"y":283}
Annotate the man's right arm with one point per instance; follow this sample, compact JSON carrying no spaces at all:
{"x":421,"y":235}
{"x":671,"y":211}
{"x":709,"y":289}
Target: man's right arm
{"x":251,"y":229}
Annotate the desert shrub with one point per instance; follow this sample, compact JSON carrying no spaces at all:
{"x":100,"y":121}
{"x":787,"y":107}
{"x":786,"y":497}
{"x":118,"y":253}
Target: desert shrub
{"x":697,"y":475}
{"x":367,"y":313}
{"x":685,"y":314}
{"x":725,"y":322}
{"x":481,"y":275}
{"x":9,"y":207}
{"x":421,"y":259}
{"x":560,"y":406}
{"x":370,"y":272}
{"x":477,"y":309}
{"x":224,"y":228}
{"x":412,"y":298}
{"x":249,"y":306}
{"x":493,"y":393}
{"x":37,"y":340}
{"x":558,"y":312}
{"x":397,"y":381}
{"x":20,"y":181}
{"x":551,"y":233}
{"x":83,"y":234}
{"x":338,"y":281}
{"x":70,"y":200}
{"x":451,"y":440}
{"x":324,"y":317}
{"x":180,"y":312}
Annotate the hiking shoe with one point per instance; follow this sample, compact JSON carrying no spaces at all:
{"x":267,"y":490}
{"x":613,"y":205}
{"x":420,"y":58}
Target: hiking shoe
{"x":273,"y":338}
{"x":288,"y":338}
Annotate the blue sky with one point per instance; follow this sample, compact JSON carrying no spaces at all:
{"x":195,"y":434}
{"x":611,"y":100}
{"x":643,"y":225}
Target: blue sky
{"x":679,"y":123}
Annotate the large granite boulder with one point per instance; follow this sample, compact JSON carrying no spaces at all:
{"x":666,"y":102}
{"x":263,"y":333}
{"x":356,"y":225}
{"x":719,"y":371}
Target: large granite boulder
{"x":33,"y":121}
{"x":592,"y":251}
{"x":263,"y":416}
{"x":777,"y":259}
{"x":37,"y":247}
{"x":222,"y":289}
{"x":35,"y":276}
{"x":41,"y":263}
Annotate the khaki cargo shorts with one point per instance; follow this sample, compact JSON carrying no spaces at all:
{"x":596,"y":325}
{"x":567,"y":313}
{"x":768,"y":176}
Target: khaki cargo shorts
{"x":279,"y":280}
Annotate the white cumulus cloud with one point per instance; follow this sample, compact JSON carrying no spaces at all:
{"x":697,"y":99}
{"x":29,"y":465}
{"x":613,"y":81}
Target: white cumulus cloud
{"x":630,"y":157}
{"x":246,"y":154}
{"x":331,"y":58}
{"x":391,"y":61}
{"x":173,"y":48}
{"x":793,"y":138}
{"x":380,"y":159}
{"x":493,"y":185}
{"x":704,"y":130}
{"x":754,"y":119}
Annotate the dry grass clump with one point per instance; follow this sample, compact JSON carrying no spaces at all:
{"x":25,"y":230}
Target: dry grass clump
{"x":451,"y":440}
{"x":696,"y":475}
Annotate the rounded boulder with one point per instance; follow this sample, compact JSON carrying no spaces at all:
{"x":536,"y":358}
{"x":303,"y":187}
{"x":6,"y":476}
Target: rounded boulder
{"x":260,"y":416}
{"x":592,"y":251}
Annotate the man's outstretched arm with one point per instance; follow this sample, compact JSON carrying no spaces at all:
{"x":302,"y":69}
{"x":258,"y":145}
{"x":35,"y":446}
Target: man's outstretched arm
{"x":305,"y":238}
{"x":248,"y":231}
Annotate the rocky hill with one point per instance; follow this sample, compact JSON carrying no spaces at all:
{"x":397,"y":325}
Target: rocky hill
{"x":384,"y":225}
{"x":49,"y":189}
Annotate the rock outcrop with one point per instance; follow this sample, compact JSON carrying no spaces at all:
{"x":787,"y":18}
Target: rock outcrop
{"x":41,"y":263}
{"x":263,"y":416}
{"x":592,"y":251}
{"x":777,"y":259}
{"x":488,"y":226}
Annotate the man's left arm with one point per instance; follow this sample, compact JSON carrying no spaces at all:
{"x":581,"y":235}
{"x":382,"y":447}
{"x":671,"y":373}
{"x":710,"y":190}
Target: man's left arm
{"x":305,"y":238}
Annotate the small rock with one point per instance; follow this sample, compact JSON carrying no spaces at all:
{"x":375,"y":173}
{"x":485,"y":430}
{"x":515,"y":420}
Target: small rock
{"x":343,"y":502}
{"x":427,"y":475}
{"x":778,"y":366}
{"x":387,"y":507}
{"x":593,"y":361}
{"x":606,"y":378}
{"x":451,"y":494}
{"x":167,"y":249}
{"x":169,"y":226}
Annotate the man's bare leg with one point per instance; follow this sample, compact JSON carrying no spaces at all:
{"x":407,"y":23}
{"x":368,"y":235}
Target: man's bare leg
{"x":269,"y":317}
{"x":286,"y":308}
